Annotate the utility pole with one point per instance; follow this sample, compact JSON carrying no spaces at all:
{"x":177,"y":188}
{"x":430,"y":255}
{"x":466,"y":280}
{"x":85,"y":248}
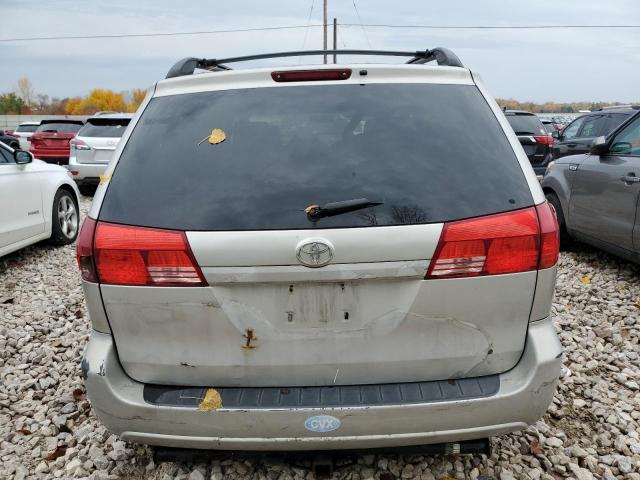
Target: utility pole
{"x":324,"y":34}
{"x":335,"y":40}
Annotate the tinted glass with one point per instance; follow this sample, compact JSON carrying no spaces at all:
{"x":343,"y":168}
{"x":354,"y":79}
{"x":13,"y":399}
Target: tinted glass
{"x":572,"y":129}
{"x":6,"y":156}
{"x":614,"y":120}
{"x":627,"y":142}
{"x":593,"y":126}
{"x":59,"y":127}
{"x":526,"y":124}
{"x":429,"y":152}
{"x":113,"y":128}
{"x":26,"y":128}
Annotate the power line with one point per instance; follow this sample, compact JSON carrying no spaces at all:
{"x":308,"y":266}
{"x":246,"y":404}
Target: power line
{"x":290,"y":27}
{"x":489,"y":27}
{"x":306,"y":30}
{"x":361,"y":25}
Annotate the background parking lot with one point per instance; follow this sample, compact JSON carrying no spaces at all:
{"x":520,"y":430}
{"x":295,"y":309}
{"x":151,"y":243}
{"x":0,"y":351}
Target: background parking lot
{"x":49,"y":430}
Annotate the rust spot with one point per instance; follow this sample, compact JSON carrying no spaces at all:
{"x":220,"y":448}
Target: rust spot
{"x":249,"y":336}
{"x":451,"y":382}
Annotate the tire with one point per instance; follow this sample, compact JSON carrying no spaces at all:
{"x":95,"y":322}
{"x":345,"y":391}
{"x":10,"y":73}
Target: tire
{"x":65,"y":218}
{"x":565,"y":240}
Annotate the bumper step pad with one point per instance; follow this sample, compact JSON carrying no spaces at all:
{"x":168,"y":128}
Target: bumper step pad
{"x":328,"y":397}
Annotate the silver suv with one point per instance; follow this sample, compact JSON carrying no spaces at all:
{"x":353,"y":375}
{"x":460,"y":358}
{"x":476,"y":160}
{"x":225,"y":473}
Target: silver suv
{"x":322,"y":257}
{"x":92,"y":149}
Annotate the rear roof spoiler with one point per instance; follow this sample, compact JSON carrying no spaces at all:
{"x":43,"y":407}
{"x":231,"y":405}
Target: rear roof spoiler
{"x":61,"y":120}
{"x":186,"y":66}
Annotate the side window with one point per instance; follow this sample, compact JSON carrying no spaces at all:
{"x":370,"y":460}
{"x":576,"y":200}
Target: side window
{"x":627,"y":142}
{"x":592,"y":126}
{"x":614,"y":121}
{"x":572,"y":129}
{"x":5,"y":157}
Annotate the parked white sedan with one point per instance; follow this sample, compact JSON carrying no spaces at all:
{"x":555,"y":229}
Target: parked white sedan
{"x":39,"y":201}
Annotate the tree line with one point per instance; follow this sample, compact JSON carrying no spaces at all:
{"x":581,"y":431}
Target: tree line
{"x":554,"y":107}
{"x":24,"y":100}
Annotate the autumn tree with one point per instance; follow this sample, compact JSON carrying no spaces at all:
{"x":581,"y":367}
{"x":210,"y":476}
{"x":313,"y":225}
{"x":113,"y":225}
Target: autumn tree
{"x":137,"y":96}
{"x":99,"y":99}
{"x":24,"y":90}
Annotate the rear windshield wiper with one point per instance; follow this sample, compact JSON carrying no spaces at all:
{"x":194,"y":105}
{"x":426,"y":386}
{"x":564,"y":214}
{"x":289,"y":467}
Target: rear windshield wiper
{"x":316,"y":212}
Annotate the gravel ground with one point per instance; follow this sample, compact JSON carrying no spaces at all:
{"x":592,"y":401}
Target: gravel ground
{"x":48,"y":430}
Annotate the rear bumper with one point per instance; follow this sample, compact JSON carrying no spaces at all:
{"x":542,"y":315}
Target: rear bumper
{"x":61,"y":157}
{"x":523,"y":396}
{"x":86,"y":174}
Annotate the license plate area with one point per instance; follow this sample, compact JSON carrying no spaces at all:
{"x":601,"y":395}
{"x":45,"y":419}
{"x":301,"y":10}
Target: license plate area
{"x":320,"y":306}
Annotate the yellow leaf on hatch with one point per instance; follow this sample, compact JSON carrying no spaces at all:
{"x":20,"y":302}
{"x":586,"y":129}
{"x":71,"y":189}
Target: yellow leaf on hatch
{"x":217,"y":136}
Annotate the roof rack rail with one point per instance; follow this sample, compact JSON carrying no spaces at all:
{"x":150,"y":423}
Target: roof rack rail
{"x":186,"y":66}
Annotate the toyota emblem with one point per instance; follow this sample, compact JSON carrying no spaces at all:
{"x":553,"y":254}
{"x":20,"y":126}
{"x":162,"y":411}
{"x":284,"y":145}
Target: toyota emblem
{"x":314,"y":252}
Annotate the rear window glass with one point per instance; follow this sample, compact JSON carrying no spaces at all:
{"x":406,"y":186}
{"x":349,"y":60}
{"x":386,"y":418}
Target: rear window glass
{"x":526,"y":124}
{"x":113,"y":128}
{"x":59,"y":127}
{"x":26,"y":128}
{"x":429,"y":153}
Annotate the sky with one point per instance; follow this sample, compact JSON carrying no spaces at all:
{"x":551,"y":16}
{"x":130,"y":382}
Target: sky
{"x":561,"y":65}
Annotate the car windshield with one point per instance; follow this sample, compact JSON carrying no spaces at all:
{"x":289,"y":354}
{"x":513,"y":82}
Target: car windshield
{"x":526,"y":124}
{"x":104,"y":127}
{"x":59,"y":127}
{"x":26,"y":128}
{"x":257,"y":159}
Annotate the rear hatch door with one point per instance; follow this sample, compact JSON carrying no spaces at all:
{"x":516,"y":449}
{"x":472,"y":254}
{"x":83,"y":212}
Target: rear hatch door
{"x":55,"y":135}
{"x":336,"y":300}
{"x":527,"y":127}
{"x":102,"y":135}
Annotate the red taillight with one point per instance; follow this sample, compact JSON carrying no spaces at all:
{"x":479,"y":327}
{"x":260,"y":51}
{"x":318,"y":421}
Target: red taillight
{"x":311,"y":75}
{"x":544,"y":139}
{"x":496,"y":244}
{"x":84,"y":250}
{"x":126,"y":255}
{"x":549,"y":235}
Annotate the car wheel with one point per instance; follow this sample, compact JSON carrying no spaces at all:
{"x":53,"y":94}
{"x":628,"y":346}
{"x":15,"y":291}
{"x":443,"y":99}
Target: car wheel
{"x":65,"y":218}
{"x":553,"y":199}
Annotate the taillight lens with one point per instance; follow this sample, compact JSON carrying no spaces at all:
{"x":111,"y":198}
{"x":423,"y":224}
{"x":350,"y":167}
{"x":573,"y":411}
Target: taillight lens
{"x":126,"y":255}
{"x":549,"y":235}
{"x":79,"y":145}
{"x":496,"y":244}
{"x":84,"y":250}
{"x":544,"y":139}
{"x":311,"y":75}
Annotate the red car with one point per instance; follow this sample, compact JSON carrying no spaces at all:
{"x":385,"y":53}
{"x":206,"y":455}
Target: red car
{"x":50,"y":142}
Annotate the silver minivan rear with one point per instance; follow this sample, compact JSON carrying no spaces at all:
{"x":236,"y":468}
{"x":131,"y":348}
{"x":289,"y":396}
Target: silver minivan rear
{"x":93,"y":147}
{"x":286,"y":261}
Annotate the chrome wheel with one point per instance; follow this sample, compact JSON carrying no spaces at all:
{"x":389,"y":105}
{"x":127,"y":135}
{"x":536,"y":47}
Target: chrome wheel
{"x":67,"y":217}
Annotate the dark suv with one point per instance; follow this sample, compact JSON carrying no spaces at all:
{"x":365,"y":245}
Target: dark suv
{"x":533,"y":137}
{"x":578,"y":136}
